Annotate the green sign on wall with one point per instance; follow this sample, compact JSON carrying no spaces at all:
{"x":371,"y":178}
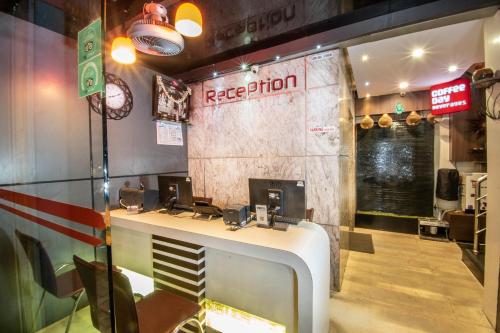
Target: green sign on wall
{"x":90,"y":78}
{"x":89,"y":41}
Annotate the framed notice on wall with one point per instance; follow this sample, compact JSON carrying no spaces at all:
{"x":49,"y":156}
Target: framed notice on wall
{"x":169,"y":133}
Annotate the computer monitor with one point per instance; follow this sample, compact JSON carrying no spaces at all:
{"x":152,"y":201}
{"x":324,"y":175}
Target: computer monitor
{"x":175,"y":192}
{"x":286,"y":197}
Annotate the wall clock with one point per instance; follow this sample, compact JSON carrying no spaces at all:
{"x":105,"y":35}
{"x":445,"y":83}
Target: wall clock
{"x":119,"y":99}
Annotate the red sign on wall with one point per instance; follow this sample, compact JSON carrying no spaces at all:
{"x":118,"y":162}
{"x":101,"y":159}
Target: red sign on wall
{"x":449,"y":97}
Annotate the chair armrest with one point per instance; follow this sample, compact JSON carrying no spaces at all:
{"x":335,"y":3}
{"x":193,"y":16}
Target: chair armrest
{"x":69,"y":264}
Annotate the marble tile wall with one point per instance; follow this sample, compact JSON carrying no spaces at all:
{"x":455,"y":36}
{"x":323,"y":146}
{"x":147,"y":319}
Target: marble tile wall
{"x":293,"y":133}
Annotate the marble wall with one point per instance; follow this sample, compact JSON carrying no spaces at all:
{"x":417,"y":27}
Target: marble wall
{"x":300,"y":132}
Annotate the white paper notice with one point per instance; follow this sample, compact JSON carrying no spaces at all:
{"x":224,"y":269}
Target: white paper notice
{"x":169,"y":133}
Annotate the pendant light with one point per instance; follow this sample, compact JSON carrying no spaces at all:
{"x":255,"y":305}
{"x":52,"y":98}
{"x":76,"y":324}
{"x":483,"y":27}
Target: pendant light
{"x":188,"y":20}
{"x":431,"y":119}
{"x":413,"y":119}
{"x":385,"y":121}
{"x":123,"y":50}
{"x":367,"y":122}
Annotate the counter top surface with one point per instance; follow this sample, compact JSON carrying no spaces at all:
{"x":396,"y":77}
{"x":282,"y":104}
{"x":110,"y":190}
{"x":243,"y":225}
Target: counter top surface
{"x":292,"y":240}
{"x":304,"y":247}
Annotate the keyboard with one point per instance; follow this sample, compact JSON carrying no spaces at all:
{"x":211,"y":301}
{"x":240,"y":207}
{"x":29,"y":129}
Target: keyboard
{"x":281,"y":226}
{"x":285,"y":219}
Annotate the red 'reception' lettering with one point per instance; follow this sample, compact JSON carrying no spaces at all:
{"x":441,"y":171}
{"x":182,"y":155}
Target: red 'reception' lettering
{"x":251,"y":89}
{"x":449,"y":97}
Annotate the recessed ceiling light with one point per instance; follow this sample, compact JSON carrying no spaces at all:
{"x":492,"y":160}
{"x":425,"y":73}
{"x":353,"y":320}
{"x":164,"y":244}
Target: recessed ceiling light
{"x":367,"y":83}
{"x":277,"y":57}
{"x":318,"y":46}
{"x":214,"y":74}
{"x":417,"y":53}
{"x":452,"y":68}
{"x":244,"y":66}
{"x":368,"y":95}
{"x":364,"y":58}
{"x":496,"y":40}
{"x":403,"y":85}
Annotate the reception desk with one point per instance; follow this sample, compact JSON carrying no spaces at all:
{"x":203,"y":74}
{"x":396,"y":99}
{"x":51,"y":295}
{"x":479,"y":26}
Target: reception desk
{"x":280,"y":276}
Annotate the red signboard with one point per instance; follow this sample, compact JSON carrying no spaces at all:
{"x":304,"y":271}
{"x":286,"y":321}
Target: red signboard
{"x":449,"y":97}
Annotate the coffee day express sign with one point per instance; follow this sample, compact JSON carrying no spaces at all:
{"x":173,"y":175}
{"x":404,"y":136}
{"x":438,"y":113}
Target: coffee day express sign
{"x":449,"y":97}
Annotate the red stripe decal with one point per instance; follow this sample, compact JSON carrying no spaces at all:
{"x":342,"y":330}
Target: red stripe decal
{"x":56,"y":227}
{"x":66,"y":211}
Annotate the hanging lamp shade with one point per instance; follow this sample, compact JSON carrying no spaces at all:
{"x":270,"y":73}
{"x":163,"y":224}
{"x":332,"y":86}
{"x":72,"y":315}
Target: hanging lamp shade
{"x":413,"y":119}
{"x":385,"y":121}
{"x":123,"y":50}
{"x":432,"y":118}
{"x":367,"y":122}
{"x":188,"y":20}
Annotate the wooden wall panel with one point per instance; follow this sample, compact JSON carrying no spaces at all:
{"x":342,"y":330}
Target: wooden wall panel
{"x":413,"y":101}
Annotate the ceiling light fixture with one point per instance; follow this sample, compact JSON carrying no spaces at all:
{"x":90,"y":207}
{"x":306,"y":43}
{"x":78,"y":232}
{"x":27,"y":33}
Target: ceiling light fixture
{"x":403,"y":85}
{"x":277,"y":57}
{"x":368,"y":95}
{"x":364,"y":58}
{"x":367,"y":83}
{"x":417,"y":53}
{"x":452,"y":68}
{"x":188,"y":20}
{"x":244,"y":66}
{"x":496,"y":40}
{"x":318,"y":46}
{"x":123,"y":50}
{"x":214,"y":74}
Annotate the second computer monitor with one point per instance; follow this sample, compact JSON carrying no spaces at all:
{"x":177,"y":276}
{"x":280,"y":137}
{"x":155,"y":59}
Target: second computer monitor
{"x":176,"y":187}
{"x":289,"y":195}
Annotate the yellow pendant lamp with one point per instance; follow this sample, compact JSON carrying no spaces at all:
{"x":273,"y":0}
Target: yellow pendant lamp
{"x":367,"y":122}
{"x":385,"y":121}
{"x":123,"y":51}
{"x":188,"y":20}
{"x":413,"y":119}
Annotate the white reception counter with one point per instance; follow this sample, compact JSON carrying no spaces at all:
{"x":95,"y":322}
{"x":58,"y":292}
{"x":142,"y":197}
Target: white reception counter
{"x":305,"y":249}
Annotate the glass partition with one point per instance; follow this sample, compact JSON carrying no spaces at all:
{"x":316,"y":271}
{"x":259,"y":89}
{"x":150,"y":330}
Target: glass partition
{"x":51,"y":173}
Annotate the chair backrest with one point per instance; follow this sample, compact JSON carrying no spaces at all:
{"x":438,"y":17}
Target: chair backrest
{"x":43,"y":270}
{"x":126,"y":320}
{"x":94,"y":277}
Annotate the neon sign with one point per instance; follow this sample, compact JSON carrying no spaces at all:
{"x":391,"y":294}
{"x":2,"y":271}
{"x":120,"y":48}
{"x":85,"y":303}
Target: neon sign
{"x":449,"y":97}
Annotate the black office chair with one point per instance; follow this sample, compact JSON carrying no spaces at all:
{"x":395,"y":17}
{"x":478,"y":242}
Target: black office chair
{"x":61,"y":285}
{"x":94,"y":277}
{"x":158,"y":312}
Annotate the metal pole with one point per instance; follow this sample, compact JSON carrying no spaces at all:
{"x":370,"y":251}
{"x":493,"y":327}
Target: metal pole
{"x":105,"y":168}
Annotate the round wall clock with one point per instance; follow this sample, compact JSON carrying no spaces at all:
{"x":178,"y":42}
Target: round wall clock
{"x":119,"y":99}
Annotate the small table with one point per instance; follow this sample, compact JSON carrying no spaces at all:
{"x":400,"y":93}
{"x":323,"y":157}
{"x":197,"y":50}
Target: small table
{"x":433,"y":222}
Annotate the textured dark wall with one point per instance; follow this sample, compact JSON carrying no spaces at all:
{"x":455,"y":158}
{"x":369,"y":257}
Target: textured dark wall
{"x":395,"y":169}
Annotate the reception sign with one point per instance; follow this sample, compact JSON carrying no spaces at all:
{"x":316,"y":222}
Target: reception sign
{"x":449,"y":97}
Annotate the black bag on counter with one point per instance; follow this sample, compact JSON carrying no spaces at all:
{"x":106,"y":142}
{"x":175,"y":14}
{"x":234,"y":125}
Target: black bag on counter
{"x":447,"y":184}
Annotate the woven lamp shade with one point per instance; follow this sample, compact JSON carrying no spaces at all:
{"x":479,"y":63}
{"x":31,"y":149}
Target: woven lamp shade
{"x":385,"y":121}
{"x":413,"y":119}
{"x":367,"y":122}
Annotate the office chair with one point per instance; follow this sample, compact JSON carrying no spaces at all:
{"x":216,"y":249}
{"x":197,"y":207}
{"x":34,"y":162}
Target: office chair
{"x":158,"y":312}
{"x":62,"y":285}
{"x":94,"y":277}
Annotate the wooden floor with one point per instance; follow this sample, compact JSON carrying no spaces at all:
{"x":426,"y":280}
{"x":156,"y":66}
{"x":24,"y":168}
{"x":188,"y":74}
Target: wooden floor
{"x":408,"y":285}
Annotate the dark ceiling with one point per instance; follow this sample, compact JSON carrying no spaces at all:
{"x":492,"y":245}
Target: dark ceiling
{"x":238,"y":29}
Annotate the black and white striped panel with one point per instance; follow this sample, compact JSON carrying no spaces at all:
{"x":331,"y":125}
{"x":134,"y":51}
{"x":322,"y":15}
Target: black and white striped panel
{"x":179,"y":267}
